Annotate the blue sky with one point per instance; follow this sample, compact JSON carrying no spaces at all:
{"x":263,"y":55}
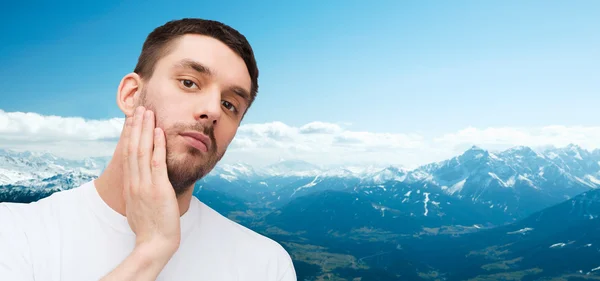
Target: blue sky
{"x":425,"y":67}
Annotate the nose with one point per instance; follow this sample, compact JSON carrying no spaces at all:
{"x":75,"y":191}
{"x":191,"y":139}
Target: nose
{"x":208,"y":108}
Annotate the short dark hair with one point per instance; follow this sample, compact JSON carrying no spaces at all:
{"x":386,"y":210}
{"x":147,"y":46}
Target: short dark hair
{"x":158,"y":42}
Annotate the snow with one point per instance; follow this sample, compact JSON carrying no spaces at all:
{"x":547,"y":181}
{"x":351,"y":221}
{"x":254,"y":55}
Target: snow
{"x":239,"y":169}
{"x":381,"y":208}
{"x":575,"y":150}
{"x":408,"y":193}
{"x":511,"y":181}
{"x":558,"y":245}
{"x":228,"y":178}
{"x":425,"y":202}
{"x":340,"y":173}
{"x":593,"y":179}
{"x":12,"y":176}
{"x":18,"y":167}
{"x":528,"y":181}
{"x":457,"y":187}
{"x":494,"y":176}
{"x":389,"y":174}
{"x":597,"y":268}
{"x":310,"y":184}
{"x":584,"y":182}
{"x":521,"y":231}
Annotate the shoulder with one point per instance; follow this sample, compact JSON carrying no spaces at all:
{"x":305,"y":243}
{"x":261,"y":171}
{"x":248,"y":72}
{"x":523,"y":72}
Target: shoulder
{"x":35,"y":218}
{"x":233,"y":230}
{"x":27,"y":234}
{"x":249,"y":245}
{"x":43,"y":208}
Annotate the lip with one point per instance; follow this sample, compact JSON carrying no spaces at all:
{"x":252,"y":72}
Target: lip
{"x":198,"y":140}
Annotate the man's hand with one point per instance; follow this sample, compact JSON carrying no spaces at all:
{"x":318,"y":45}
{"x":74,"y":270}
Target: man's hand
{"x":151,"y":205}
{"x":152,"y":209}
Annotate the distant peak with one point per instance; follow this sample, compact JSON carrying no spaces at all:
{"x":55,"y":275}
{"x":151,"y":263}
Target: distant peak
{"x":574,"y":147}
{"x":474,"y":151}
{"x":476,"y":148}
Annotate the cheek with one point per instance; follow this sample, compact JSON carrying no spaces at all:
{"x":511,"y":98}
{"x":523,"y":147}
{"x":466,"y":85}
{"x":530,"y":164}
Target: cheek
{"x":224,"y":138}
{"x":170,"y":132}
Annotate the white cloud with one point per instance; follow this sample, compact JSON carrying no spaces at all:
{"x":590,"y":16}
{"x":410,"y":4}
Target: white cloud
{"x":316,"y":142}
{"x":320,"y":128}
{"x":20,"y":126}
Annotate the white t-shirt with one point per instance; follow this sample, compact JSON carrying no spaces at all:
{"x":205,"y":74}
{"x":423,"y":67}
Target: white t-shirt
{"x":73,"y":235}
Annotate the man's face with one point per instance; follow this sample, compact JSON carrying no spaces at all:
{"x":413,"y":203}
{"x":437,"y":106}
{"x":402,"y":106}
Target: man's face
{"x":200,"y":86}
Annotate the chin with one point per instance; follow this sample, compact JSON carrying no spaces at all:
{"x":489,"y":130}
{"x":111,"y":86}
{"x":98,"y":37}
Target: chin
{"x":188,"y":166}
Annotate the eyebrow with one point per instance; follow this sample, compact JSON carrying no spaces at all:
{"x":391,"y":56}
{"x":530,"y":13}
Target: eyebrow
{"x":200,"y":68}
{"x":241,"y":92}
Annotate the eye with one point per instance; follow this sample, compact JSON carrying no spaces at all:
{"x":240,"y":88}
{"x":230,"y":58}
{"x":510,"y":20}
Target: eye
{"x":229,"y":106}
{"x":188,"y":83}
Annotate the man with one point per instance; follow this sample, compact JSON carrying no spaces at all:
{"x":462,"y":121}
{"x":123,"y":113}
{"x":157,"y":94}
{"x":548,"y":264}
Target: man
{"x":193,"y":84}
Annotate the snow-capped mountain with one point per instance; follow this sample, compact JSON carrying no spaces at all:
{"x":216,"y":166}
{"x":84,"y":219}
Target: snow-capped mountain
{"x":388,"y":174}
{"x":501,"y":186}
{"x":16,"y":167}
{"x":505,"y":185}
{"x":34,"y":189}
{"x":516,"y":181}
{"x":234,"y":172}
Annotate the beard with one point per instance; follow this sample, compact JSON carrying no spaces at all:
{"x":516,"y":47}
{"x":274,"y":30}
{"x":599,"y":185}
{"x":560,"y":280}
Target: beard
{"x":187,"y":167}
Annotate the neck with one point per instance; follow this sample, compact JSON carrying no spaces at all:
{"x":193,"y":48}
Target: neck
{"x":110,"y":186}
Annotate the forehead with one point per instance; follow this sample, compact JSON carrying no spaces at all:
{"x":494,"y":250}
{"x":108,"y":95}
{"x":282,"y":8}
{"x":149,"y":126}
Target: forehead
{"x":226,"y":66}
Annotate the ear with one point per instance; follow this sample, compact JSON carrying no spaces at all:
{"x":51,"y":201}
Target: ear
{"x":128,"y":93}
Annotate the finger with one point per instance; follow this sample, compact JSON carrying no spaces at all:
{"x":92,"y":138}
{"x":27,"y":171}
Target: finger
{"x":134,"y":139}
{"x":125,"y":134}
{"x":159,"y":158}
{"x":145,"y":149}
